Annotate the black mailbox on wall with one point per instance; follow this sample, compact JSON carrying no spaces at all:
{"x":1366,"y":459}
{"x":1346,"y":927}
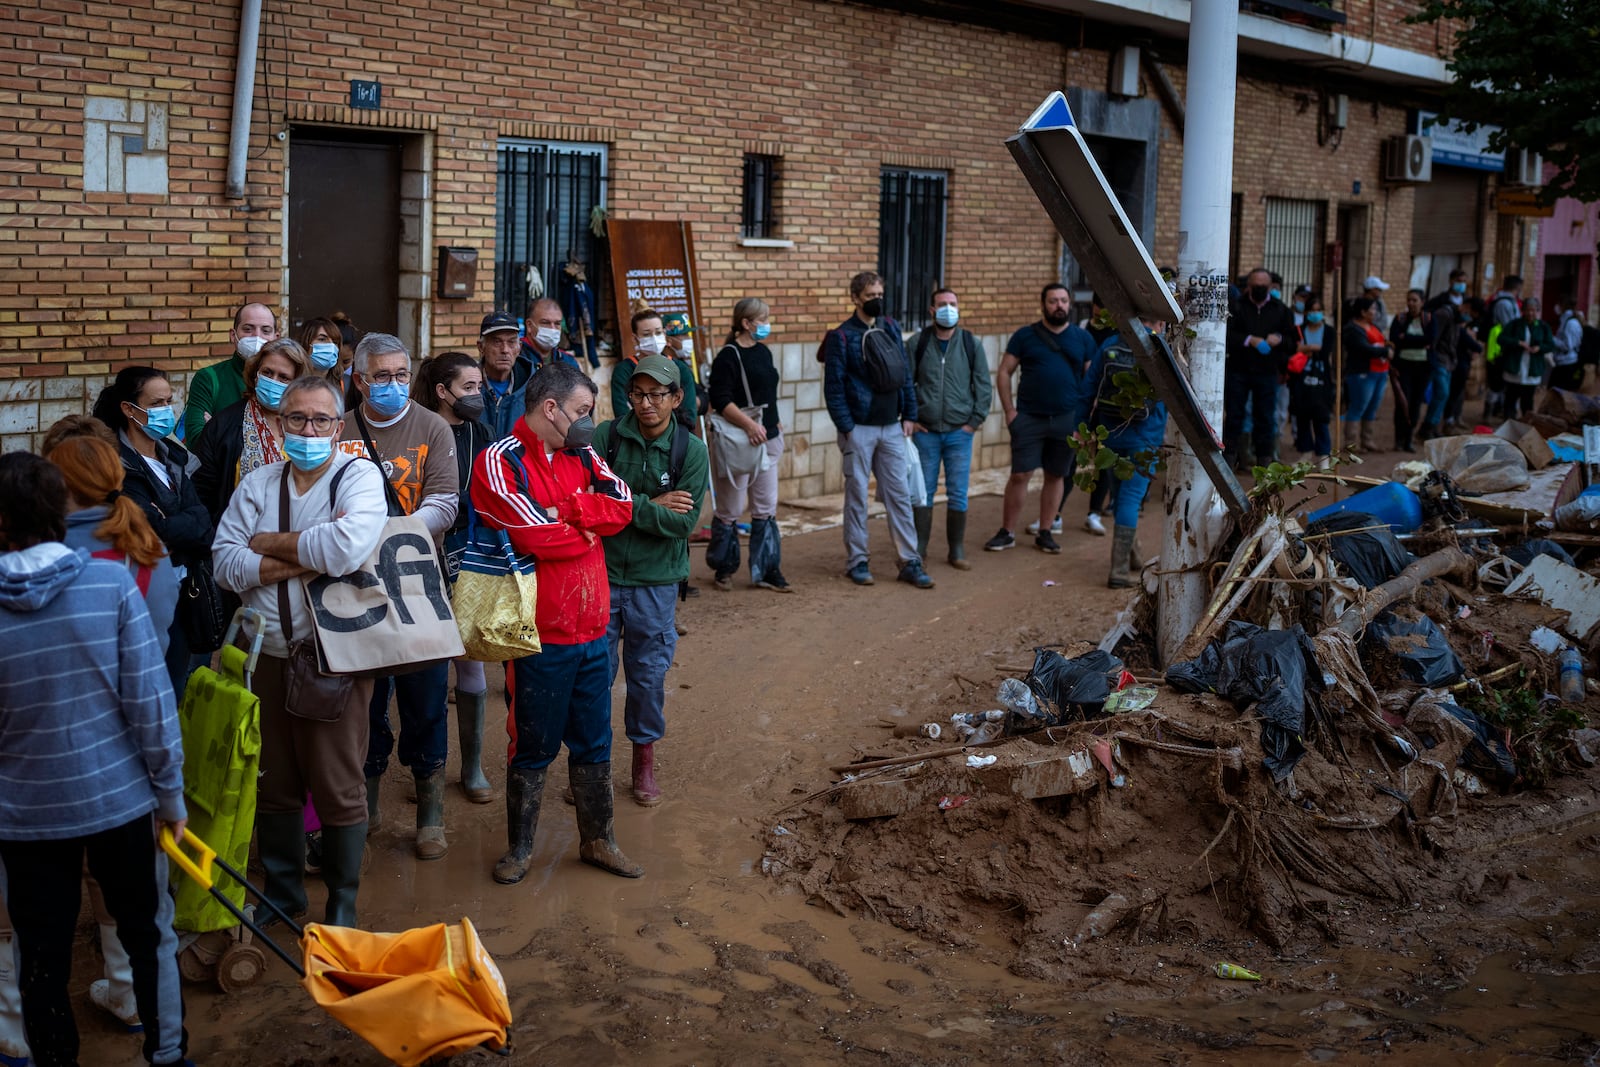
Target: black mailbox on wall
{"x":458,"y":273}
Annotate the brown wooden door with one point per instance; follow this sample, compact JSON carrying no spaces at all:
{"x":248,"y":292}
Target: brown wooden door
{"x":344,"y":227}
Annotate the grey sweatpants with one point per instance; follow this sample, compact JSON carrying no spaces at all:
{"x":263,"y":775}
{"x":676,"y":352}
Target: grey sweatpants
{"x":878,"y":451}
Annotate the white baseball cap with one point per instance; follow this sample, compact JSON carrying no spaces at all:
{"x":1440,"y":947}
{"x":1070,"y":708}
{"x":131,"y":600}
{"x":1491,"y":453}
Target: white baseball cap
{"x":1375,"y":282}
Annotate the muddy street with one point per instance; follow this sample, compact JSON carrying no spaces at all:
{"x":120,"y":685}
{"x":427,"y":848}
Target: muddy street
{"x":708,"y":960}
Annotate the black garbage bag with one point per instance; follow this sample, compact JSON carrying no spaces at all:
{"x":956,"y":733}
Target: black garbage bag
{"x":1488,"y":754}
{"x":1371,"y":557}
{"x":1539,"y":546}
{"x":1274,"y":673}
{"x":1419,"y":647}
{"x":1076,"y":688}
{"x":1199,"y":675}
{"x":722,"y":554}
{"x":765,"y":548}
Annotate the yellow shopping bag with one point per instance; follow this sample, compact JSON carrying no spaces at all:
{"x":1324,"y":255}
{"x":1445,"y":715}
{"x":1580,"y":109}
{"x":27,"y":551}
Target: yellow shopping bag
{"x":495,"y":597}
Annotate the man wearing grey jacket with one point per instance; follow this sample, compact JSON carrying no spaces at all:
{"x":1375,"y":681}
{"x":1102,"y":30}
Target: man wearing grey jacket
{"x":954,"y":391}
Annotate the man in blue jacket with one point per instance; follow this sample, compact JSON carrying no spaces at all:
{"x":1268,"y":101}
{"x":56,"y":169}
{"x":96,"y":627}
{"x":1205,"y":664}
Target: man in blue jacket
{"x":872,"y":400}
{"x":508,"y":361}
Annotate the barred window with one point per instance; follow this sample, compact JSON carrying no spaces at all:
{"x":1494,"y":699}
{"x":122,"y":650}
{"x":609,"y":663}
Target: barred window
{"x":911,"y":220}
{"x":547,"y":192}
{"x":1294,"y":233}
{"x":760,"y":200}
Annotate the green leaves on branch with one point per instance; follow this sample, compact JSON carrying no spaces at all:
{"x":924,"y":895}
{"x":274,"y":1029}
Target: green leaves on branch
{"x":1094,"y":457}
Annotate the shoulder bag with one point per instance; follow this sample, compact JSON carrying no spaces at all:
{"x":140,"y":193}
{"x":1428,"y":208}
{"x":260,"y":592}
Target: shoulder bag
{"x":309,"y":692}
{"x":731,"y":442}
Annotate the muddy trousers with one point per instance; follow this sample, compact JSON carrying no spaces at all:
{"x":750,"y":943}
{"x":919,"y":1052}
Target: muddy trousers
{"x":641,"y":638}
{"x":560,"y":696}
{"x":44,"y":902}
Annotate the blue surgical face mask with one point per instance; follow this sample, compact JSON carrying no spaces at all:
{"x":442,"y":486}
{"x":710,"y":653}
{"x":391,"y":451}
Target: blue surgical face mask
{"x":1314,"y":318}
{"x":1277,"y":294}
{"x":1299,"y":305}
{"x":324,"y":354}
{"x":761,"y":332}
{"x":387,"y":398}
{"x":269,"y":392}
{"x":946,"y":315}
{"x":1459,"y":287}
{"x":307,"y":453}
{"x":159,"y":422}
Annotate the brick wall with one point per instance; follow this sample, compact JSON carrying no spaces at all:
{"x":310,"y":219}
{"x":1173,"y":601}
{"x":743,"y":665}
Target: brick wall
{"x":91,"y":281}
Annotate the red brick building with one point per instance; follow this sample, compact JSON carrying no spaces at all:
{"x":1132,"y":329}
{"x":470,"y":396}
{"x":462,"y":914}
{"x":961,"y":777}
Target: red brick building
{"x":804,"y":139}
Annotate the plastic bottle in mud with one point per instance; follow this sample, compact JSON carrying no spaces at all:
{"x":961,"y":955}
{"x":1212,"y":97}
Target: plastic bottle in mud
{"x":1571,"y":687}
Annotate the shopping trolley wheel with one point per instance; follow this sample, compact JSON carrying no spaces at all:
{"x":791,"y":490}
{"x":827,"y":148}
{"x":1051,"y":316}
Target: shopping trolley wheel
{"x":240,"y":966}
{"x":194,"y":967}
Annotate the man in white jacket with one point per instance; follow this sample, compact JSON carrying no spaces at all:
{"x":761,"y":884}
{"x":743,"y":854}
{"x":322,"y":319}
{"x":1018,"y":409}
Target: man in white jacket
{"x":337,"y":513}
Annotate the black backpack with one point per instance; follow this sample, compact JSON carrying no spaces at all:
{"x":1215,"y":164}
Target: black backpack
{"x":883,"y":362}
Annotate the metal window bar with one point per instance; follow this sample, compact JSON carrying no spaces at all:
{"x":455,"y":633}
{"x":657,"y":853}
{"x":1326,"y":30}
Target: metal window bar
{"x":760,"y":203}
{"x":1294,"y":241}
{"x":911,"y":223}
{"x":545,"y":194}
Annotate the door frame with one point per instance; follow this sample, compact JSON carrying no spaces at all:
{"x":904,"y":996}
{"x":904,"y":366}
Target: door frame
{"x":414,"y":313}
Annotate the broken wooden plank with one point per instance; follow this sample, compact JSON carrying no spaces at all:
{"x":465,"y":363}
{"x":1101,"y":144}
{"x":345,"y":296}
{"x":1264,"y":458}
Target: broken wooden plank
{"x":1053,"y":774}
{"x":1564,"y":588}
{"x":878,"y":798}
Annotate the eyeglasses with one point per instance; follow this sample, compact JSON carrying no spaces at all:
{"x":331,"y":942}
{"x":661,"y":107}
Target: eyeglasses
{"x":653,"y":399}
{"x":297,"y":422}
{"x":403,"y":377}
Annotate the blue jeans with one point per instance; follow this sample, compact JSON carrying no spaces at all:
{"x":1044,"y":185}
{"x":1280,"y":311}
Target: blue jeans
{"x":1128,"y":442}
{"x":424,"y":721}
{"x":1312,"y":435}
{"x":562,"y":694}
{"x":1365,"y":394}
{"x":954,"y":448}
{"x":642,"y":636}
{"x":1438,"y":396}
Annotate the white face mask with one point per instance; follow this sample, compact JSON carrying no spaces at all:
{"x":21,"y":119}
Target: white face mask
{"x":547,"y":337}
{"x":652,"y":344}
{"x":249,"y":346}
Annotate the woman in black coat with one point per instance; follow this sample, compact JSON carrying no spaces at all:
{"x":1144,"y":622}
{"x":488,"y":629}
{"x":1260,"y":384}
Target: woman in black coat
{"x":137,"y":405}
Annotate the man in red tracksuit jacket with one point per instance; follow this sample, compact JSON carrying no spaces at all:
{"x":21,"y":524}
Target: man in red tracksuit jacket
{"x":556,"y":498}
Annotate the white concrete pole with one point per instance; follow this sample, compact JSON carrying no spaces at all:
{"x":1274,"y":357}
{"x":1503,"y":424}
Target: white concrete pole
{"x":1194,"y":512}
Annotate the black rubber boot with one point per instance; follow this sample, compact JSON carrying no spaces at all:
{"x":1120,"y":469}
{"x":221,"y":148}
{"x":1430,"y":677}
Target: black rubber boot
{"x":431,"y":844}
{"x":470,"y":709}
{"x":374,"y":813}
{"x":922,"y":519}
{"x":281,"y":840}
{"x":1121,"y":576}
{"x":955,"y":533}
{"x":591,"y":793}
{"x":524,"y":790}
{"x":342,"y":850}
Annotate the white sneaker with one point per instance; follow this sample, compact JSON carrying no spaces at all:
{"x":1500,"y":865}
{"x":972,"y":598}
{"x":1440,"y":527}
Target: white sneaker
{"x":1055,"y":526}
{"x":1032,"y":528}
{"x":1094,"y":525}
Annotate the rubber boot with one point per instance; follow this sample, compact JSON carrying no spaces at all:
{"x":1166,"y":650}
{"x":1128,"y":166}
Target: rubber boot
{"x":1369,"y":435}
{"x":524,"y":790}
{"x":281,"y":841}
{"x":374,"y":812}
{"x":431,"y":844}
{"x":922,"y":519}
{"x":591,"y":792}
{"x":469,"y":729}
{"x":955,"y":533}
{"x":343,"y":850}
{"x":1121,"y":576}
{"x":645,"y":791}
{"x":113,"y":994}
{"x":13,"y":1039}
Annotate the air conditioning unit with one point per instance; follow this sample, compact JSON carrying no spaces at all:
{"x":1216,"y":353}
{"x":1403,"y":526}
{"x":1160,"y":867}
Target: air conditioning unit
{"x":1408,"y":158}
{"x":1524,"y":167}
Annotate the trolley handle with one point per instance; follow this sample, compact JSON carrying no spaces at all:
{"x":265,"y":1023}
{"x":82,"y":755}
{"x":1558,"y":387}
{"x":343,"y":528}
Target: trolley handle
{"x":200,"y":872}
{"x":254,"y":626}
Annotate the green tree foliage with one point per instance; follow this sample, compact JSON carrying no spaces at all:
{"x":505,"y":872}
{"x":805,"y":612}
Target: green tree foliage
{"x":1532,"y":68}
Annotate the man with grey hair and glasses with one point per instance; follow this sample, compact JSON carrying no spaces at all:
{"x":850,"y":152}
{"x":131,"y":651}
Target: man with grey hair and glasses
{"x":417,"y":452}
{"x":336,"y":518}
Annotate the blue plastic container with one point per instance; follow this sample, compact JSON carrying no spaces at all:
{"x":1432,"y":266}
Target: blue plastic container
{"x":1390,"y":502}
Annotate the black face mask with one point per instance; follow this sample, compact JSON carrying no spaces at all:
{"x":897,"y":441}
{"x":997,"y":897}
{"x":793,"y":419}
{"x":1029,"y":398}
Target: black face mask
{"x":468,"y":408}
{"x":580,"y":432}
{"x":872,"y":308}
{"x":1259,"y":293}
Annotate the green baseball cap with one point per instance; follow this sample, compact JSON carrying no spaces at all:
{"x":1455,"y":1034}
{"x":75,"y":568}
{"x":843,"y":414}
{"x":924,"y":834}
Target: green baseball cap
{"x":676,"y":324}
{"x":658,"y":368}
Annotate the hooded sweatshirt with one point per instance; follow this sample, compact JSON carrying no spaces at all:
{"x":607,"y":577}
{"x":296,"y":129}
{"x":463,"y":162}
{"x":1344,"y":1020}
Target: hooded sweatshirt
{"x":88,"y":727}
